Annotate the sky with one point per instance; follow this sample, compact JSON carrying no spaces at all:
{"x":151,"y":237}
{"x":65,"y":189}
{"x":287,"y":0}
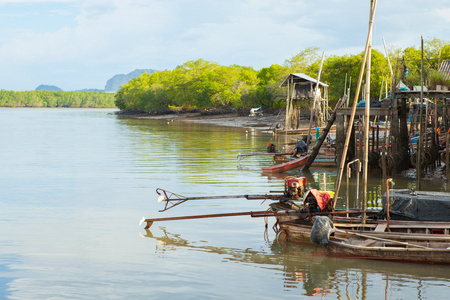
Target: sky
{"x":78,"y":44}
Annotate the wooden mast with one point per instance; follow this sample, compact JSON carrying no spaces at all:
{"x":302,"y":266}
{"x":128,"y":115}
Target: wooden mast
{"x":314,"y":101}
{"x":366,"y":130}
{"x":421,"y":129}
{"x":373,"y":5}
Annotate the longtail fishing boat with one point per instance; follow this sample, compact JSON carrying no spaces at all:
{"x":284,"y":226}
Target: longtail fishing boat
{"x":297,"y":209}
{"x":320,"y":162}
{"x":409,"y":247}
{"x":299,"y":230}
{"x":394,"y":240}
{"x":429,"y":247}
{"x":290,"y":165}
{"x":423,"y":250}
{"x":294,"y":191}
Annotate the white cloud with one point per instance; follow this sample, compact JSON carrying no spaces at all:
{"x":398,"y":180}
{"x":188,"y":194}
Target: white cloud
{"x":444,"y":13}
{"x":103,"y":37}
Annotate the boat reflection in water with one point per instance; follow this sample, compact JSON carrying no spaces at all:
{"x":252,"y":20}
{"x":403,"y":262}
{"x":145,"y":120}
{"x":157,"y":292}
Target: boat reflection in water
{"x":306,"y":267}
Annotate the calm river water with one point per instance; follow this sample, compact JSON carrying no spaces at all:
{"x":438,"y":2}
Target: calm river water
{"x":75,"y":183}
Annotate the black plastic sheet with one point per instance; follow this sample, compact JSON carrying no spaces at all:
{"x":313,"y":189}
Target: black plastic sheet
{"x":418,"y":206}
{"x":321,"y":231}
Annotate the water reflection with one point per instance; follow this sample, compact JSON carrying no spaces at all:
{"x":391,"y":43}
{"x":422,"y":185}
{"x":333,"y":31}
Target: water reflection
{"x":84,"y":178}
{"x":306,"y":269}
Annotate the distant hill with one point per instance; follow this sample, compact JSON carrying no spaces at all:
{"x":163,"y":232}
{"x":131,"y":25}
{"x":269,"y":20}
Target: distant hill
{"x":44,"y":87}
{"x":113,"y":84}
{"x":90,"y":90}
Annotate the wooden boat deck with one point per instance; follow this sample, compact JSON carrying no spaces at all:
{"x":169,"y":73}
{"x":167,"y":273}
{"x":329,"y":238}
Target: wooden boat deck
{"x":425,"y":242}
{"x":436,"y":252}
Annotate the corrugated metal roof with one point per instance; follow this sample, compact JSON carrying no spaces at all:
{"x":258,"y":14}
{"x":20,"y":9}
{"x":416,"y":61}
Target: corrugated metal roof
{"x":445,"y":68}
{"x":300,"y":77}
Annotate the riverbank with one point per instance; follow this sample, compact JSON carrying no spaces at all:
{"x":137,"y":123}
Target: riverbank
{"x":265,"y":122}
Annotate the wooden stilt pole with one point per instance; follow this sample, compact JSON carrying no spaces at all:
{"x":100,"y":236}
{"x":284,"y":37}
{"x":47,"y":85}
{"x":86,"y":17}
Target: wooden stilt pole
{"x":316,"y":148}
{"x":447,"y":156}
{"x":421,"y":123}
{"x":349,"y":89}
{"x":366,"y":131}
{"x":316,"y":92}
{"x":373,"y":5}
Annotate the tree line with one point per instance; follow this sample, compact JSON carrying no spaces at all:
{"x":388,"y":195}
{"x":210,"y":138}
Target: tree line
{"x":56,"y":99}
{"x":202,"y":84}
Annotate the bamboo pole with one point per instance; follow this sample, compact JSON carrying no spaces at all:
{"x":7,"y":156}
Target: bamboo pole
{"x":286,"y":122}
{"x":387,"y":93}
{"x":381,"y":88}
{"x":291,"y":106}
{"x":447,"y":156}
{"x":373,"y":5}
{"x":366,"y":131}
{"x":349,"y":89}
{"x":389,"y":61}
{"x":420,"y":143}
{"x":435,"y":135}
{"x":315,"y":99}
{"x":345,"y":84}
{"x":316,"y":148}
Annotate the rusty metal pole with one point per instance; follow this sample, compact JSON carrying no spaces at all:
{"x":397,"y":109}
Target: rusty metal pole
{"x":387,"y":203}
{"x":357,"y":181}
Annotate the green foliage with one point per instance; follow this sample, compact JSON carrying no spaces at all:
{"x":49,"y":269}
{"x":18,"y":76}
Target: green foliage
{"x":55,"y":99}
{"x":436,"y":78}
{"x":203,"y":84}
{"x":194,"y":84}
{"x":301,"y":62}
{"x":435,"y":51}
{"x":335,"y":69}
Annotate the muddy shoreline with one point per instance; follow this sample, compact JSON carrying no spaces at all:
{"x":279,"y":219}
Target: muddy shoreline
{"x":264,"y":122}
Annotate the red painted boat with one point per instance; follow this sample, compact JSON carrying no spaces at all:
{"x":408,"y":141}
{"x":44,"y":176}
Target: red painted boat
{"x":294,"y":164}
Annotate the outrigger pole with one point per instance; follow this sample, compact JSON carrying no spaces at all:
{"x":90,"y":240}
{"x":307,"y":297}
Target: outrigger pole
{"x":173,"y":199}
{"x":253,"y":214}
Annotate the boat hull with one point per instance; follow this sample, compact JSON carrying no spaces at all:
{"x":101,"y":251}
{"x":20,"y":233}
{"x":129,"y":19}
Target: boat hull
{"x":354,"y":240}
{"x":438,"y":253}
{"x":294,"y":164}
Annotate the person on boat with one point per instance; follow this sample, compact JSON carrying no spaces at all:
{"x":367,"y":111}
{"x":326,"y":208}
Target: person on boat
{"x":300,"y":146}
{"x":270,"y":147}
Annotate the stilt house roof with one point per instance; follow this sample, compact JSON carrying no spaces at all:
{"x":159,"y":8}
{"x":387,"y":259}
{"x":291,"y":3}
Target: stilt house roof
{"x":445,"y":68}
{"x":300,"y":78}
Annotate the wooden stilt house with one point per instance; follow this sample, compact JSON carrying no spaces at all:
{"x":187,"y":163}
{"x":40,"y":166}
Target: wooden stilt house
{"x":300,"y":89}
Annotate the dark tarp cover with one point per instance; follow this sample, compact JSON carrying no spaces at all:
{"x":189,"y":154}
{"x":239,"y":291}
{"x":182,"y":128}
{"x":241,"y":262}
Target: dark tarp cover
{"x":418,"y":206}
{"x":321,"y":230}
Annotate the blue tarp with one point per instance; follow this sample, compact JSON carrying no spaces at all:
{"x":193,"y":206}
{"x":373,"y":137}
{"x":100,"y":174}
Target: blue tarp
{"x":362,"y":103}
